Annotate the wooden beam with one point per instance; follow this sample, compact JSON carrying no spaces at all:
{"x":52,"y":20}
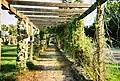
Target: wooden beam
{"x":14,"y":11}
{"x":49,"y":10}
{"x":44,"y":25}
{"x":49,"y":14}
{"x":48,"y":23}
{"x":49,"y":4}
{"x":48,"y":18}
{"x":54,"y":20}
{"x":92,"y":8}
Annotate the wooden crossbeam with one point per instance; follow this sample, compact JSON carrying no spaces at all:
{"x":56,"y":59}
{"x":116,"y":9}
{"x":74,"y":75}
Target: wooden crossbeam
{"x":46,"y":22}
{"x":14,"y":11}
{"x":92,"y":8}
{"x":46,"y":25}
{"x":53,"y":20}
{"x":49,"y":4}
{"x":49,"y":10}
{"x":49,"y":14}
{"x":48,"y":18}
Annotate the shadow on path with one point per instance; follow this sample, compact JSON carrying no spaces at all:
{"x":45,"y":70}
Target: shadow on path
{"x":51,"y":66}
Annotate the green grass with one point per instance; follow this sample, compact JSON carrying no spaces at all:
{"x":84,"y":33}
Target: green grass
{"x":9,"y":54}
{"x":113,"y":72}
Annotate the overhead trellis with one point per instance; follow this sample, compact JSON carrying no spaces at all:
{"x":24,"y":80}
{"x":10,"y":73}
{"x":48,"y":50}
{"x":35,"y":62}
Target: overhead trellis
{"x":33,"y":9}
{"x":49,"y":4}
{"x":68,"y":8}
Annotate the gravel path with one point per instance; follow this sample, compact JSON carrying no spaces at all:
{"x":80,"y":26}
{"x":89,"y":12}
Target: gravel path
{"x":52,"y":68}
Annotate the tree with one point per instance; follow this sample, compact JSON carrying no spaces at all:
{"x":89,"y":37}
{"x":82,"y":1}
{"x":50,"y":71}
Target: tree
{"x":112,"y":22}
{"x":4,"y":27}
{"x":13,"y":30}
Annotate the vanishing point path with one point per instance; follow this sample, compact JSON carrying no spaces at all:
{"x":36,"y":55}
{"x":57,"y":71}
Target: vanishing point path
{"x":52,"y":67}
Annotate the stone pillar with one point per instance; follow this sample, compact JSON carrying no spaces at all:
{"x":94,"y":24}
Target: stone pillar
{"x":22,"y":46}
{"x":99,"y":69}
{"x":31,"y":43}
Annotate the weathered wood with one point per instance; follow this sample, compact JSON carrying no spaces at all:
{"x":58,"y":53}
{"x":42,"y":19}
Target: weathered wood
{"x":48,"y":18}
{"x":92,"y":8}
{"x":44,"y":25}
{"x":31,"y":48}
{"x":50,"y":4}
{"x":38,"y":25}
{"x":49,"y":10}
{"x":22,"y":43}
{"x":50,"y":14}
{"x":31,"y":43}
{"x":99,"y":57}
{"x":14,"y":11}
{"x":47,"y":22}
{"x":100,"y":44}
{"x":0,"y":32}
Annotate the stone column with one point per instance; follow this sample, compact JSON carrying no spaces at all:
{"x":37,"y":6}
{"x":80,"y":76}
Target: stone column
{"x":99,"y":69}
{"x":22,"y":44}
{"x":31,"y":43}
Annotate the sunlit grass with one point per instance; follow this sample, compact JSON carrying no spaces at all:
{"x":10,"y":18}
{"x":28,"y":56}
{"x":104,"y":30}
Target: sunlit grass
{"x":9,"y":54}
{"x":113,"y":72}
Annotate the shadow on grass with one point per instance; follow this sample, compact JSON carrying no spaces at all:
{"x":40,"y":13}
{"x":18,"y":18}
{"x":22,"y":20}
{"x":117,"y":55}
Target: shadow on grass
{"x":9,"y":55}
{"x":5,"y":59}
{"x":8,"y":68}
{"x":8,"y":50}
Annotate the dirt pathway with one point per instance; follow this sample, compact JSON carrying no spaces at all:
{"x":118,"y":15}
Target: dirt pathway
{"x":53,"y":67}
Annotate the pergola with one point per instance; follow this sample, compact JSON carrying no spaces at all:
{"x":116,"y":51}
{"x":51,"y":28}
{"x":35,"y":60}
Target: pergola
{"x":32,"y":16}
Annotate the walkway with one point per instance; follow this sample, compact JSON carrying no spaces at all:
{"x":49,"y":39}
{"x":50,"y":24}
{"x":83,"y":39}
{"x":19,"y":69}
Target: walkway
{"x":52,"y":67}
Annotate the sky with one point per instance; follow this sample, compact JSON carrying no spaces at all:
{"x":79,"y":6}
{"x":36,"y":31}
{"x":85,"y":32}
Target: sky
{"x":10,"y":19}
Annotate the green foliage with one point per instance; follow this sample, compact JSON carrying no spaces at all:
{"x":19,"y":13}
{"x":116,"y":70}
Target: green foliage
{"x":4,"y":27}
{"x":41,"y":34}
{"x":81,"y":46}
{"x":13,"y":30}
{"x":112,"y":22}
{"x":80,"y":1}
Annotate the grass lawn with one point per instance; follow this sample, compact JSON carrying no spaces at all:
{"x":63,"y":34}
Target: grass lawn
{"x":9,"y":54}
{"x":8,"y":73}
{"x":113,"y":72}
